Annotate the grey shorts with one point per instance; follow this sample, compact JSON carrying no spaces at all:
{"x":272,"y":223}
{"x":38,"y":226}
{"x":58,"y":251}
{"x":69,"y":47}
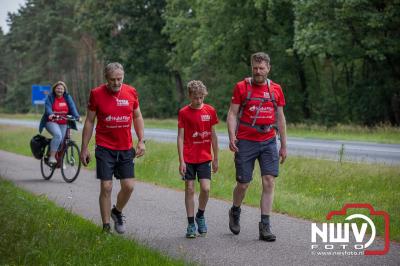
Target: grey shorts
{"x":267,"y":154}
{"x":112,"y":162}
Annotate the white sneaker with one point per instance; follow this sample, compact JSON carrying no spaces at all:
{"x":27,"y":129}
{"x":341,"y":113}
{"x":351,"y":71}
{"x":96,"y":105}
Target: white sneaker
{"x":52,"y":160}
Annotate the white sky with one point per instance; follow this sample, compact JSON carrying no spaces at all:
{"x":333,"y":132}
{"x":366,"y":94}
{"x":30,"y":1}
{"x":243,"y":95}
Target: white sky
{"x":8,"y":6}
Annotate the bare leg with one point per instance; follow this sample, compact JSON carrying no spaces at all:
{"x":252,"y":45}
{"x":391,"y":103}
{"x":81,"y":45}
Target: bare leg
{"x":204,"y":193}
{"x":267,"y":197}
{"x":105,"y":200}
{"x":239,"y":193}
{"x":125,"y":193}
{"x":189,"y":197}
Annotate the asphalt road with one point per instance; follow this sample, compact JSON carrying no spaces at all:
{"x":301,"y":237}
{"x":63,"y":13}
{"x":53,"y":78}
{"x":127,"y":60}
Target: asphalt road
{"x":367,"y":152}
{"x":156,"y":217}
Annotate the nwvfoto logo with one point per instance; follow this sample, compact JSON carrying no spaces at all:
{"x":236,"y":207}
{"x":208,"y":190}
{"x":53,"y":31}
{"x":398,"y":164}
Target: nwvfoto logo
{"x":330,"y":234}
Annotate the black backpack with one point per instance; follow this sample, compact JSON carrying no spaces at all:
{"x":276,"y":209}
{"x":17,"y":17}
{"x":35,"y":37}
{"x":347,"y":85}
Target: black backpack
{"x":38,"y":145}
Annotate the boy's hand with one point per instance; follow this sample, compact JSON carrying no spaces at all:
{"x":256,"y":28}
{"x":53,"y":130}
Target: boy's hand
{"x":182,"y":169}
{"x":214,"y":165}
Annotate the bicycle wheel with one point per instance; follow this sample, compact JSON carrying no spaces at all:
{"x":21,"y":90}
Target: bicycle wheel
{"x":45,"y":168}
{"x":70,"y":163}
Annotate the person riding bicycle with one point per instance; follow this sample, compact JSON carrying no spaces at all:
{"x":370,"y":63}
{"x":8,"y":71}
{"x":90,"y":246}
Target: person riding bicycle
{"x":58,"y":102}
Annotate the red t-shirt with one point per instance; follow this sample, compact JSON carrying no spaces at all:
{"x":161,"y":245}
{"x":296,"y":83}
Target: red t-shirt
{"x":197,"y":124}
{"x":114,"y":113}
{"x":266,"y":115}
{"x":60,"y":107}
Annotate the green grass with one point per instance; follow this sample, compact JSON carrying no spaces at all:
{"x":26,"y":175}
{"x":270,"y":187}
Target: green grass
{"x":307,"y":188}
{"x":380,"y":134}
{"x":34,"y":231}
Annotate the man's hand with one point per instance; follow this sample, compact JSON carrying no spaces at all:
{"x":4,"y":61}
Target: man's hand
{"x":182,"y":169}
{"x":282,"y":154}
{"x":140,"y":149}
{"x":85,"y":157}
{"x":232,"y":144}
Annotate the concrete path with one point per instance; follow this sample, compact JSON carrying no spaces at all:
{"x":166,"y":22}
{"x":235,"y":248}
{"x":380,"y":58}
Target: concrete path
{"x":156,"y":217}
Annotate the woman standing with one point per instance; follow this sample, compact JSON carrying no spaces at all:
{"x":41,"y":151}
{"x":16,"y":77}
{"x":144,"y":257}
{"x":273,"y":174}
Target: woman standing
{"x":58,"y":102}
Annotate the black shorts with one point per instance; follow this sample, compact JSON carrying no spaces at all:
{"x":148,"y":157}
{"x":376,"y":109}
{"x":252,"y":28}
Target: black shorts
{"x":266,"y":152}
{"x":113,"y":162}
{"x":202,"y":170}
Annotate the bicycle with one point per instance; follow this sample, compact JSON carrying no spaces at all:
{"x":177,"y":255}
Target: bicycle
{"x":67,"y":156}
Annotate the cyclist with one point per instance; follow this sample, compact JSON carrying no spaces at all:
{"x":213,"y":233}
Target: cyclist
{"x":58,"y":102}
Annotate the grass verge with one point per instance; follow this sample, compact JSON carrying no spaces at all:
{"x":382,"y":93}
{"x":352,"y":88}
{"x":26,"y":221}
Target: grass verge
{"x":307,"y":188}
{"x":41,"y":233}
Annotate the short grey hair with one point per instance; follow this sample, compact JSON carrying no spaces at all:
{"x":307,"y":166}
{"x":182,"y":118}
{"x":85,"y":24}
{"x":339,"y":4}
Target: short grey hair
{"x":111,"y":67}
{"x":259,"y":57}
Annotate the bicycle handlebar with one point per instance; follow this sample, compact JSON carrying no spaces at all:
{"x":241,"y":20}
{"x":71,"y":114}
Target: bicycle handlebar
{"x":66,"y":117}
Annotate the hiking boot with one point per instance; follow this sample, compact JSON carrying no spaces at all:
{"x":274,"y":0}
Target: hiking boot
{"x":106,"y":228}
{"x":265,"y":232}
{"x":191,"y":231}
{"x":119,"y":221}
{"x":201,"y":225}
{"x":234,"y":221}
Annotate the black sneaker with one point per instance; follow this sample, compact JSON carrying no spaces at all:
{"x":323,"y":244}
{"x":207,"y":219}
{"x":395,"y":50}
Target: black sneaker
{"x":106,"y":228}
{"x":265,"y":232}
{"x":118,"y":219}
{"x":234,"y":221}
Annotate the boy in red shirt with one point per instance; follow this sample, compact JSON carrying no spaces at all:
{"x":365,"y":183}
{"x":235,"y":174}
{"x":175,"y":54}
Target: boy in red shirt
{"x":196,"y":135}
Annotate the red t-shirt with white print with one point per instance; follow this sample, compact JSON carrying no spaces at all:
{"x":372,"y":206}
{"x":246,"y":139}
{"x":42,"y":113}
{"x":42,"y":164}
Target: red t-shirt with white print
{"x":114,"y":111}
{"x":266,"y":115}
{"x":197,"y":125}
{"x":60,"y":107}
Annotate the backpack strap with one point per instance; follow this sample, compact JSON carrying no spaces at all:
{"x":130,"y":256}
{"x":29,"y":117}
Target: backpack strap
{"x":259,"y":128}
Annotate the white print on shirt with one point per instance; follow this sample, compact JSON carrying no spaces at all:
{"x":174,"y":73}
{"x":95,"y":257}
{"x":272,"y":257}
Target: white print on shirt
{"x":205,"y":118}
{"x":266,"y":95}
{"x":118,"y":119}
{"x":267,"y":117}
{"x":62,"y":104}
{"x":122,"y":102}
{"x":119,"y":126}
{"x":262,"y":109}
{"x":202,"y":135}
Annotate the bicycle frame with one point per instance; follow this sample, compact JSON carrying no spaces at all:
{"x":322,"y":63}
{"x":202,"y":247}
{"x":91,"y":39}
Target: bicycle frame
{"x":65,"y":141}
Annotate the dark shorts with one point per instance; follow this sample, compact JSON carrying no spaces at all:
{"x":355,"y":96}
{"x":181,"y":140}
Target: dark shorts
{"x":113,"y":162}
{"x":267,"y":154}
{"x":202,"y":170}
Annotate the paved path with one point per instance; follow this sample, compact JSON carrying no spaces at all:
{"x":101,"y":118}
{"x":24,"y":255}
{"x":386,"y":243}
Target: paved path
{"x":357,"y":151}
{"x":156,"y":217}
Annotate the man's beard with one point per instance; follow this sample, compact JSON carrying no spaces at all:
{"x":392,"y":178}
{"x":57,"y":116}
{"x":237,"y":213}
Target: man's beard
{"x":259,"y":79}
{"x":115,"y":88}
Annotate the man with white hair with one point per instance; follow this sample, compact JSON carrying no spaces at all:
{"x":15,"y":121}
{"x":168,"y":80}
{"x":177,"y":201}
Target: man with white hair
{"x":116,"y":106}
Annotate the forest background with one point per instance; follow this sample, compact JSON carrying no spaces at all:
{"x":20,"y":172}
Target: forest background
{"x":337,"y":61}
